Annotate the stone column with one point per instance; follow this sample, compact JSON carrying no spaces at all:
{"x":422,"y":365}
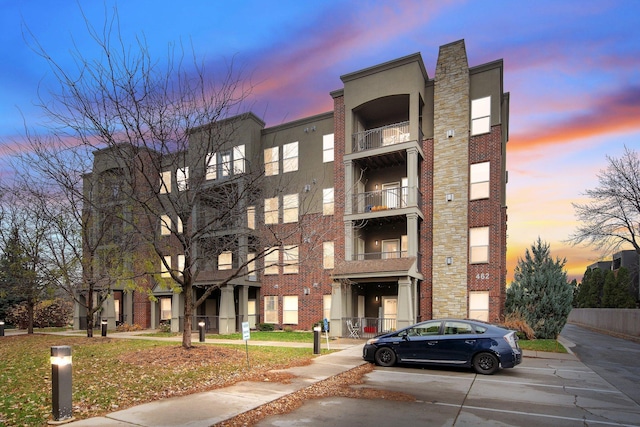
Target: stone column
{"x":406,"y":314}
{"x":227,"y":314}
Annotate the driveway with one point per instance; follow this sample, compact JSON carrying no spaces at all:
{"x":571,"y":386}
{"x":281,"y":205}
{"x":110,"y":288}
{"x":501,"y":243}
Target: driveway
{"x":539,"y":392}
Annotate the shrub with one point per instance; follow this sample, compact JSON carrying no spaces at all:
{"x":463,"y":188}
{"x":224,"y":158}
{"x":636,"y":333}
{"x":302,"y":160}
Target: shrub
{"x":515,"y":321}
{"x":125,"y":327}
{"x":288,"y":328}
{"x":165,"y":326}
{"x":47,"y":313}
{"x":266,"y":327}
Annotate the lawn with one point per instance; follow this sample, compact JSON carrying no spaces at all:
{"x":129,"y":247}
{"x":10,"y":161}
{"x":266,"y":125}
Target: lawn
{"x":542,"y":345}
{"x":112,"y":374}
{"x":279,"y":336}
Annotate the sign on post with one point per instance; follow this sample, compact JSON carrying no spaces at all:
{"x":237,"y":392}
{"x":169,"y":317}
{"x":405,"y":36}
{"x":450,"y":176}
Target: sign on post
{"x":246,"y":336}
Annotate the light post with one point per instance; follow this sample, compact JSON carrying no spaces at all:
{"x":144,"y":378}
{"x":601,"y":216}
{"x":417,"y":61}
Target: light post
{"x":61,"y":383}
{"x":1,"y":328}
{"x":104,"y":324}
{"x":316,"y":339}
{"x":201,"y":330}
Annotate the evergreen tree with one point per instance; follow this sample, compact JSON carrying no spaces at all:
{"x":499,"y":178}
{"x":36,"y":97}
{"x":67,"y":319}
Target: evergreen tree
{"x":608,"y":290}
{"x":617,"y":293}
{"x":596,"y":287}
{"x":14,"y":274}
{"x":540,"y":291}
{"x":580,"y":295}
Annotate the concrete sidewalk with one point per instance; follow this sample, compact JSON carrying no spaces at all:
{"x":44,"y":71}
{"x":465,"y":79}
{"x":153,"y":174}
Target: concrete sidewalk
{"x":211,"y":407}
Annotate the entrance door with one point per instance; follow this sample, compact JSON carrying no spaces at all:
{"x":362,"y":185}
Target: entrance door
{"x":251,"y":312}
{"x":389,"y":313}
{"x":391,"y":195}
{"x":390,"y":249}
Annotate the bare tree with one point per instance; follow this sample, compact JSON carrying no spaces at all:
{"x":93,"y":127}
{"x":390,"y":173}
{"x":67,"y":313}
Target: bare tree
{"x":612,"y":217}
{"x":169,"y":186}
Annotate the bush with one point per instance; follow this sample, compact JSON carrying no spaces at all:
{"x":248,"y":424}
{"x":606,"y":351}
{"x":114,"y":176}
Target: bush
{"x":125,"y":327}
{"x":515,"y":321}
{"x":266,"y":327}
{"x":165,"y":326}
{"x":288,"y":329}
{"x":46,"y":314}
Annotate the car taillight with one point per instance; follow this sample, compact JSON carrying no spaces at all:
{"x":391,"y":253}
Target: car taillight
{"x":512,"y":339}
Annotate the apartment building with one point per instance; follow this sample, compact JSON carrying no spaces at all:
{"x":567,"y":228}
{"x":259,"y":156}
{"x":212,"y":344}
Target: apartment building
{"x":390,"y":209}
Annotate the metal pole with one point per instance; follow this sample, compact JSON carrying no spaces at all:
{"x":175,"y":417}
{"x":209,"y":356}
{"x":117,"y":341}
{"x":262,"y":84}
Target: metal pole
{"x":316,"y":340}
{"x":61,"y":382}
{"x":201,"y":331}
{"x":104,"y":324}
{"x":1,"y":328}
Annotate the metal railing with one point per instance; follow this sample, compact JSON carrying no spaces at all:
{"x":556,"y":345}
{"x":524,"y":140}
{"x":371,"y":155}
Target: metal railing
{"x":366,"y":327}
{"x":382,"y":200}
{"x":382,"y":136}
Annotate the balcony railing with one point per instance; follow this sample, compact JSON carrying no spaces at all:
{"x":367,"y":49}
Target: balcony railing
{"x":382,"y":200}
{"x":379,"y":255}
{"x":382,"y":136}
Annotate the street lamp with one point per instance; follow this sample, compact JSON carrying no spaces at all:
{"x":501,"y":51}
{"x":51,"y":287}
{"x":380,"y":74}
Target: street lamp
{"x":201,"y":330}
{"x":61,"y":382}
{"x":104,"y":323}
{"x":1,"y":328}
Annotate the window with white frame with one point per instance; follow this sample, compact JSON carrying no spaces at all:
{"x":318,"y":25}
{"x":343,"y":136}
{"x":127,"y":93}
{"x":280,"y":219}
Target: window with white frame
{"x":327,"y":148}
{"x":289,"y":208}
{"x":479,"y":174}
{"x":326,"y":306}
{"x":290,"y":157}
{"x":165,"y":308}
{"x":212,"y":166}
{"x":479,"y":305}
{"x":271,"y":309}
{"x":271,"y":259}
{"x":271,"y":209}
{"x":481,"y":115}
{"x":290,"y":259}
{"x":182,"y":178}
{"x":328,"y":252}
{"x":225,"y":163}
{"x":238,"y":159}
{"x":271,"y":161}
{"x":165,"y":225}
{"x":251,"y":217}
{"x":327,"y":201}
{"x":224,"y":260}
{"x":164,"y":271}
{"x":165,"y":182}
{"x":251,"y":266}
{"x":181,"y":263}
{"x":479,"y":245}
{"x":290,"y":309}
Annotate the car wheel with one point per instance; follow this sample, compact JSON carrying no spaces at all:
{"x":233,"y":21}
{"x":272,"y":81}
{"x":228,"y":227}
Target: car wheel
{"x":485,"y":363}
{"x":385,"y":357}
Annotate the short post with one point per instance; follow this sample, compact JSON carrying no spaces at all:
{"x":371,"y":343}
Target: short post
{"x":201,"y":331}
{"x":316,"y":339}
{"x":1,"y":328}
{"x":104,"y":323}
{"x":61,"y":382}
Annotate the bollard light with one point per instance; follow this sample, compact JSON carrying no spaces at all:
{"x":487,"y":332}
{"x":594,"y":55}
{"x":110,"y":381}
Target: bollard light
{"x":316,"y":339}
{"x":61,"y":383}
{"x":104,"y":324}
{"x":201,"y":330}
{"x":1,"y":328}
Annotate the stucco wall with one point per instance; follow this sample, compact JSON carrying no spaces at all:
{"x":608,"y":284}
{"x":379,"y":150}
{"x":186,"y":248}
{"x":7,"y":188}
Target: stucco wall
{"x":618,"y":320}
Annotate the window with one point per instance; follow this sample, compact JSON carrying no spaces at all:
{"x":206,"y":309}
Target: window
{"x":479,"y":177}
{"x":327,"y":255}
{"x":224,"y":261}
{"x":327,"y":148}
{"x":271,"y":309}
{"x":481,"y":116}
{"x":182,"y":178}
{"x":271,"y":209}
{"x":326,"y":307}
{"x":212,"y":168}
{"x":290,"y":310}
{"x":165,"y":182}
{"x":290,"y":259}
{"x":165,"y":225}
{"x":290,"y":157}
{"x":453,"y":327}
{"x":251,"y":217}
{"x":251,"y":266}
{"x":327,"y":201}
{"x":271,"y":259}
{"x":271,"y":166}
{"x":289,"y":208}
{"x":165,"y":308}
{"x":238,"y":159}
{"x":179,"y":227}
{"x":479,"y":305}
{"x":479,"y":245}
{"x":390,"y":249}
{"x":164,"y":271}
{"x":225,"y":163}
{"x":181,"y":263}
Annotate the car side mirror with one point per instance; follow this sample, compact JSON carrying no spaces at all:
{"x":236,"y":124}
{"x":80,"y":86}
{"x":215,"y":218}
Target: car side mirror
{"x":405,"y":335}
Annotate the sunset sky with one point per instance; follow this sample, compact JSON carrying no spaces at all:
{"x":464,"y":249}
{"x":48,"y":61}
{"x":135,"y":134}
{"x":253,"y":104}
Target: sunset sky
{"x":572,"y":68}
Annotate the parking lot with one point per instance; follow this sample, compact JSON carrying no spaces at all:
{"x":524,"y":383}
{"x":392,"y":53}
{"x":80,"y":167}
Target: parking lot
{"x":539,"y":392}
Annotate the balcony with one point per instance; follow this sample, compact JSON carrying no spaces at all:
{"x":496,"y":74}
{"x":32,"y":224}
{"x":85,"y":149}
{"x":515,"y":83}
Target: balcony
{"x":392,"y":134}
{"x":386,"y":199}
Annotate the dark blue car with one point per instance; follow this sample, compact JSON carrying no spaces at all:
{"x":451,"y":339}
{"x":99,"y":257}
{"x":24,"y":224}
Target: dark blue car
{"x":447,"y":342}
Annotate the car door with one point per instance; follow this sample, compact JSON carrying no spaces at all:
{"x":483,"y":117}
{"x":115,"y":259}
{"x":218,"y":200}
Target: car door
{"x":457,"y":343}
{"x":418,"y":341}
